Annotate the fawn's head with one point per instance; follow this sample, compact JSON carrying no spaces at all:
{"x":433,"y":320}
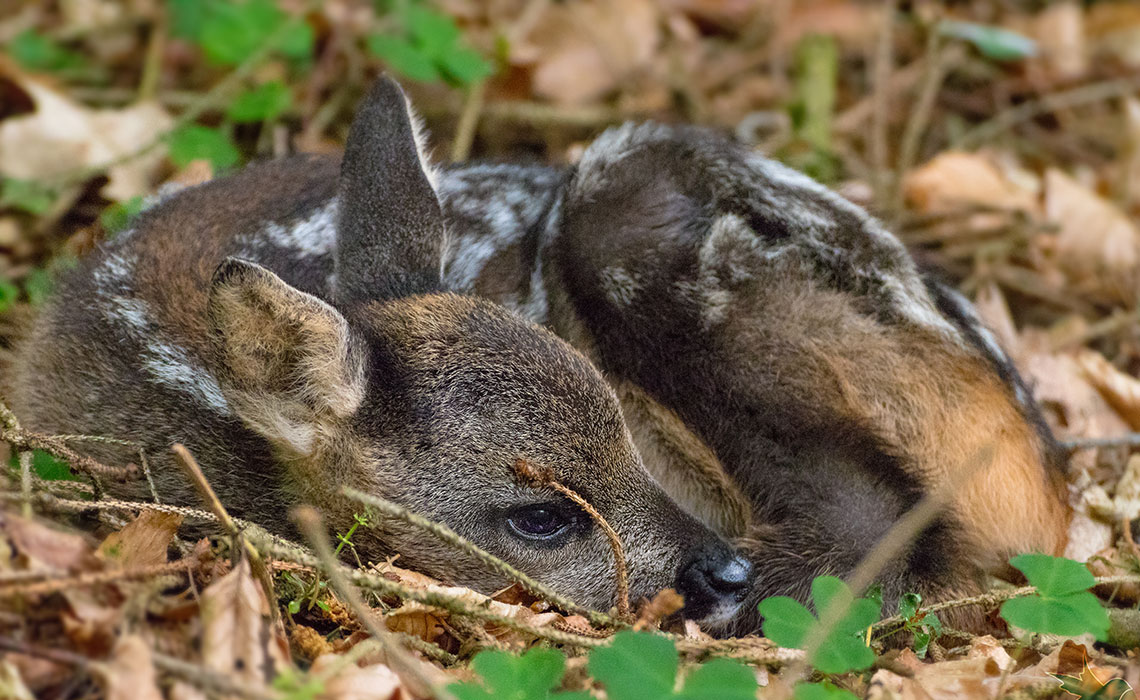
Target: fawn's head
{"x":429,"y":399}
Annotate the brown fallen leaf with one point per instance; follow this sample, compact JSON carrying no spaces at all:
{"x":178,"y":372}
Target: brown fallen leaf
{"x":956,"y":180}
{"x":62,"y":136}
{"x":1122,"y":391}
{"x":237,"y":637}
{"x":891,"y":686}
{"x":1096,"y":246}
{"x":373,"y":682}
{"x":42,"y":547}
{"x":130,"y":675}
{"x":142,"y":542}
{"x":582,"y":50}
{"x":11,"y":683}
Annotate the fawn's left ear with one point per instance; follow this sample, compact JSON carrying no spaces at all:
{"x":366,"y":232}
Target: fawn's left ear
{"x":290,"y":364}
{"x":390,"y":230}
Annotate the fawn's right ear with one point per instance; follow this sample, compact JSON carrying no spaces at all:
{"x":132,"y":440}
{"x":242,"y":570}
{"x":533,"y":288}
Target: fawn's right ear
{"x":390,"y":232}
{"x":289,"y":363}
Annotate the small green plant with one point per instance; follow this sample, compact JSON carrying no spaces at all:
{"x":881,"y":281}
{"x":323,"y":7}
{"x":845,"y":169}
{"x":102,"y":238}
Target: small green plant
{"x":26,"y":195}
{"x":634,"y":666}
{"x":118,"y":216}
{"x":841,"y":648}
{"x":40,"y":53}
{"x":428,"y":48}
{"x":994,"y":43}
{"x":924,"y":627}
{"x":1062,"y":604}
{"x":46,"y":467}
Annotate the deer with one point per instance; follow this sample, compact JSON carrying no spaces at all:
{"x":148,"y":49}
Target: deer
{"x":291,"y":326}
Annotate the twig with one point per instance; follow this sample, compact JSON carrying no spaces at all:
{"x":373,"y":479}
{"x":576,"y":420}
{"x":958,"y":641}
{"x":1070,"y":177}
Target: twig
{"x":880,"y":80}
{"x":543,"y":477}
{"x":59,"y":582}
{"x":468,"y":121}
{"x":152,"y":64}
{"x":26,"y":483}
{"x":206,"y":493}
{"x":1088,"y":443}
{"x":311,"y":525}
{"x":449,"y":536}
{"x":1046,"y":104}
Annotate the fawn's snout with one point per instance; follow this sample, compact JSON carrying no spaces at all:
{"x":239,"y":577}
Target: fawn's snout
{"x":714,"y":583}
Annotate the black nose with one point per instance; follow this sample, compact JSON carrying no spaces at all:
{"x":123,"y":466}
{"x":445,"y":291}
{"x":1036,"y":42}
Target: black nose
{"x":714,"y":582}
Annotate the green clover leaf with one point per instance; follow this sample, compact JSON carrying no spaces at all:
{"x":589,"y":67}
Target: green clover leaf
{"x":789,"y":623}
{"x":1062,"y":604}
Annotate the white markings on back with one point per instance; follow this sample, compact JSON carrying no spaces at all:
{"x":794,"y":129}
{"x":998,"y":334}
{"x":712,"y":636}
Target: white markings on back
{"x":313,"y":236}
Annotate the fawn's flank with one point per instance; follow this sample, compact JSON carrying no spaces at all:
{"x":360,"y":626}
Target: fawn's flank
{"x":291,"y":327}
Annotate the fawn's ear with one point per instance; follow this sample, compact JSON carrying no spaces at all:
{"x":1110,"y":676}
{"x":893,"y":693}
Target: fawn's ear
{"x":390,"y":231}
{"x":289,"y":362}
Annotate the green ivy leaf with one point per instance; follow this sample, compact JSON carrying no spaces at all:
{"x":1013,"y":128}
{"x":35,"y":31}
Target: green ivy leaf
{"x":37,"y":52}
{"x":118,"y":216}
{"x":821,"y":691}
{"x":46,"y":467}
{"x":532,"y":676}
{"x":992,"y":42}
{"x":28,"y":195}
{"x":908,"y":605}
{"x":789,"y":624}
{"x":262,"y":103}
{"x":720,"y":679}
{"x":636,"y":666}
{"x":1068,"y":615}
{"x":1054,"y":576}
{"x":1062,"y":604}
{"x":195,"y":142}
{"x":402,"y":56}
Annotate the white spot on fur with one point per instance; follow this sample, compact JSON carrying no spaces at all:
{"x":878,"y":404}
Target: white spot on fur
{"x":620,"y":286}
{"x":311,"y":237}
{"x":165,"y":363}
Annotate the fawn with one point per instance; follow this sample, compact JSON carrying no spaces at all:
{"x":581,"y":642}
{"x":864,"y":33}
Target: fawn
{"x":788,"y":374}
{"x":290,"y":325}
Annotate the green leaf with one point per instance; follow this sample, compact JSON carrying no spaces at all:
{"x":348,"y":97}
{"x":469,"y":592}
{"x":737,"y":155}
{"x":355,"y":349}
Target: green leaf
{"x":720,"y":679}
{"x":46,"y":467}
{"x":28,"y":195}
{"x":992,"y":42}
{"x":821,"y":691}
{"x":635,"y":666}
{"x":786,"y":621}
{"x":790,"y":624}
{"x":298,"y":40}
{"x":405,"y":58}
{"x":1068,"y":615}
{"x":195,"y":142}
{"x":908,"y":605}
{"x":464,"y":66}
{"x":118,"y":216}
{"x":294,"y":607}
{"x":532,"y":676}
{"x":262,"y":103}
{"x":38,"y":285}
{"x":37,"y":52}
{"x":1054,"y":576}
{"x":9,"y":295}
{"x":433,"y":31}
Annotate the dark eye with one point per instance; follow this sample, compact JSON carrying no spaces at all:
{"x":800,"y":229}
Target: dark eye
{"x":538,"y":522}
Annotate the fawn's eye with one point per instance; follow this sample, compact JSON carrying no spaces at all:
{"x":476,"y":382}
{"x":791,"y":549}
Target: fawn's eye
{"x":539,"y":522}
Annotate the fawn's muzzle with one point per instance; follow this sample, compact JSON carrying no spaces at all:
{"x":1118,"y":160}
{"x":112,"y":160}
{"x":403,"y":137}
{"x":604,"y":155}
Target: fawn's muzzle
{"x":714,"y":583}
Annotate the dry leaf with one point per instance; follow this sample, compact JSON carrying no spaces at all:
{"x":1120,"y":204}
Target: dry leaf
{"x":1096,"y":245}
{"x":954,"y":180}
{"x":986,"y":647}
{"x":1059,"y":31}
{"x":1119,"y":389}
{"x":184,"y":691}
{"x":374,"y":682}
{"x":963,"y":678}
{"x":62,"y":136}
{"x":236,"y":635}
{"x":47,"y":548}
{"x":891,"y":686}
{"x":584,"y":49}
{"x":142,"y":542}
{"x":130,"y":673}
{"x":11,"y":684}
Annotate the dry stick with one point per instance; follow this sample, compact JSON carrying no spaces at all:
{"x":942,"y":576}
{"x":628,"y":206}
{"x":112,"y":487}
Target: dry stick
{"x":543,"y":477}
{"x":58,"y":582}
{"x":880,"y":79}
{"x":938,"y":64}
{"x":1126,"y":440}
{"x":468,"y":121}
{"x":1046,"y":104}
{"x":449,"y":536}
{"x":311,"y":525}
{"x":206,"y":493}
